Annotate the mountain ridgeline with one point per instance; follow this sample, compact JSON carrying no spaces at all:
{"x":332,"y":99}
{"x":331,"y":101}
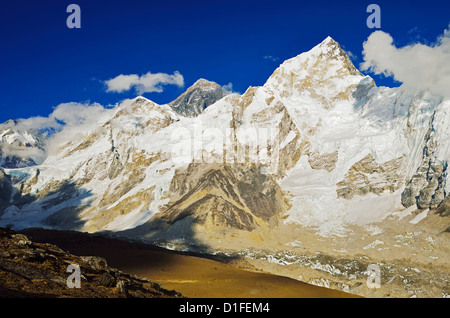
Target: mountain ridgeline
{"x":319,"y":146}
{"x":316,"y":105}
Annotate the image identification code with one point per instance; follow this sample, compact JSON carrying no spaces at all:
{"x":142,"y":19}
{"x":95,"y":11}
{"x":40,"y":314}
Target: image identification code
{"x":244,"y":307}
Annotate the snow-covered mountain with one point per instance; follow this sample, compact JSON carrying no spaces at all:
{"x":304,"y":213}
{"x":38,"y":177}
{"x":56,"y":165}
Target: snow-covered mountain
{"x":20,"y":146}
{"x":319,"y":147}
{"x":319,"y":128}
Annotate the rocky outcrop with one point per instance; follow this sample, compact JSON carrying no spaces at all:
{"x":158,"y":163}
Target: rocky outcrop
{"x":444,"y":209}
{"x":235,"y":196}
{"x":31,"y":269}
{"x":369,"y":176}
{"x":5,"y":191}
{"x":426,"y":187}
{"x":326,"y":161}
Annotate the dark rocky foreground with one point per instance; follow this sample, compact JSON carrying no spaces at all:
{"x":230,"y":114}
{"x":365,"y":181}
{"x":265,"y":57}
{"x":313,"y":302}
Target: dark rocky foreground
{"x":39,"y":270}
{"x":194,"y":275}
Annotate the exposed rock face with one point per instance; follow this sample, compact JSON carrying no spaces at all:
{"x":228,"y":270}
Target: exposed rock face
{"x":5,"y":191}
{"x":235,"y":196}
{"x":426,"y":188}
{"x":368,"y":176}
{"x":197,"y":97}
{"x":444,"y":209}
{"x":325,"y":161}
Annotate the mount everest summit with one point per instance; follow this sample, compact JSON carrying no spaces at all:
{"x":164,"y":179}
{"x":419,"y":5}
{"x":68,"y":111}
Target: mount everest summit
{"x":318,"y":148}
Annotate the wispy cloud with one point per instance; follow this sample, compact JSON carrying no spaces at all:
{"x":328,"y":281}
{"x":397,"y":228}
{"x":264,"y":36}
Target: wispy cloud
{"x":228,"y":88}
{"x":146,"y":83}
{"x":271,"y":58}
{"x":416,"y":34}
{"x":350,"y":54}
{"x":417,"y":66}
{"x":66,"y":122}
{"x":37,"y":122}
{"x":75,"y":120}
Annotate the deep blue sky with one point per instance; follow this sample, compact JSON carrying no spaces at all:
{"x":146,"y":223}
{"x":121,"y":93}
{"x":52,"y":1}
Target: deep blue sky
{"x":43,"y":63}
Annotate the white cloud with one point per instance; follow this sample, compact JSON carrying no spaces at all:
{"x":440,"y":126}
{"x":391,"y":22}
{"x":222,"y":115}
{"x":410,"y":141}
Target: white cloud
{"x":75,"y":114}
{"x":65,"y":114}
{"x":228,"y":88}
{"x":146,"y":83}
{"x":271,"y":58}
{"x":417,"y":66}
{"x":38,"y":155}
{"x":76,"y":119}
{"x":66,"y":122}
{"x":350,"y":54}
{"x":36,"y":123}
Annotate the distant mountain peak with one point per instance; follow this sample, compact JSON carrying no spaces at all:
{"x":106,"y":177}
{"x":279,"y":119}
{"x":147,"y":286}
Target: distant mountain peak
{"x":20,"y":146}
{"x":197,"y":97}
{"x":204,"y":83}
